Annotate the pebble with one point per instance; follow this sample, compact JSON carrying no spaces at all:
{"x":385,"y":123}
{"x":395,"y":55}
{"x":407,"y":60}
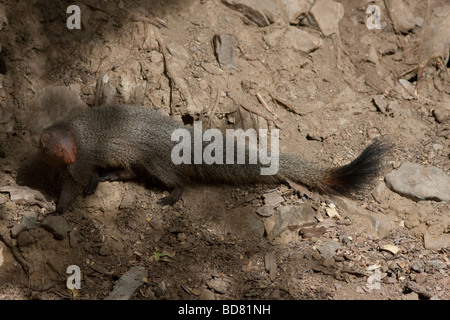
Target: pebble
{"x":270,"y":263}
{"x":292,"y":218}
{"x":17,"y":229}
{"x":442,"y":112}
{"x":436,"y":241}
{"x":224,"y":50}
{"x":420,"y":183}
{"x":380,"y":103}
{"x":25,"y":239}
{"x":328,"y":249}
{"x":57,"y":226}
{"x":218,"y":285}
{"x":417,"y":266}
{"x":273,"y":199}
{"x":436,"y":264}
{"x":128,"y":283}
{"x":327,"y":13}
{"x":402,"y":15}
{"x":207,"y":295}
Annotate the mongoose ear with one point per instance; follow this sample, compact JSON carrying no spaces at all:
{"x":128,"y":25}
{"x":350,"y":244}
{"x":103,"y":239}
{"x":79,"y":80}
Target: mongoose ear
{"x":44,"y":137}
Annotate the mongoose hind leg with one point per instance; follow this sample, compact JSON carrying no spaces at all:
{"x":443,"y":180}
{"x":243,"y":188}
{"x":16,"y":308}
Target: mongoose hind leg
{"x":172,"y":198}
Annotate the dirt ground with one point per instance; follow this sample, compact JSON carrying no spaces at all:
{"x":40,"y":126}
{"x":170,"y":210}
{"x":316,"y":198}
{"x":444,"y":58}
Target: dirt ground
{"x":216,"y":243}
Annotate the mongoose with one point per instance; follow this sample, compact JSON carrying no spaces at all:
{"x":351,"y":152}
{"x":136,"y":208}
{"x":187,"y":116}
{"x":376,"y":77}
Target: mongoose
{"x":120,"y":142}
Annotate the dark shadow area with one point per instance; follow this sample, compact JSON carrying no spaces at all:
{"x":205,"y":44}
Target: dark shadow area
{"x":37,"y":44}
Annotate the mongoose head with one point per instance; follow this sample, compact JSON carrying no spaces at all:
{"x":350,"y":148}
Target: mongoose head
{"x":58,"y":144}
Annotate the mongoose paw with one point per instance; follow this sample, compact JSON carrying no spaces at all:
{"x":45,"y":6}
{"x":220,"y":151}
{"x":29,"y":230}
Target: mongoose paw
{"x":172,"y":198}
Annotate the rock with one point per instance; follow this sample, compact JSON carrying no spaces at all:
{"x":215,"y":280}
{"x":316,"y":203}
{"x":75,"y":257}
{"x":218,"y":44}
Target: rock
{"x":380,"y":103}
{"x":327,"y":14}
{"x":261,"y":12}
{"x":218,"y":285}
{"x":207,"y":295}
{"x":420,"y":183}
{"x":293,"y":38}
{"x":380,"y":225}
{"x":128,"y":283}
{"x":328,"y":249}
{"x":17,"y":229}
{"x":407,"y":90}
{"x":224,"y":50}
{"x":270,"y":263}
{"x":292,"y":218}
{"x":436,"y":264}
{"x":417,"y":266}
{"x":380,"y":192}
{"x":265,"y":211}
{"x":294,"y":10}
{"x":245,"y":222}
{"x":29,"y":219}
{"x":436,"y":241}
{"x":25,"y":239}
{"x":57,"y":226}
{"x":273,"y":199}
{"x":300,"y":40}
{"x":402,"y":16}
{"x":442,"y":112}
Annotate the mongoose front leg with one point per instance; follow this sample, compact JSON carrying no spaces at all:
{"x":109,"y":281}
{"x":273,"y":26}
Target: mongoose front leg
{"x":68,"y":193}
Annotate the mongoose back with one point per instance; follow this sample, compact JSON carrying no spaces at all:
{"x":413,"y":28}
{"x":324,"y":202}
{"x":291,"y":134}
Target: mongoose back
{"x":125,"y":141}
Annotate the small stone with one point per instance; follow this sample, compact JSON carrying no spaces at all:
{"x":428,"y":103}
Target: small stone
{"x":292,"y":218}
{"x":17,"y":229}
{"x":57,"y":226}
{"x":300,"y":40}
{"x":436,"y":264}
{"x":442,"y":112}
{"x":421,"y":278}
{"x":265,"y":211}
{"x":328,"y":249}
{"x":224,"y":49}
{"x":273,"y":199}
{"x":29,"y":219}
{"x":417,"y":266}
{"x":327,"y":13}
{"x":207,"y":295}
{"x":25,"y":239}
{"x":328,"y":262}
{"x":420,"y":183}
{"x":218,"y":285}
{"x":402,"y":15}
{"x":380,"y":103}
{"x":436,"y":241}
{"x":271,"y":265}
{"x":128,"y":283}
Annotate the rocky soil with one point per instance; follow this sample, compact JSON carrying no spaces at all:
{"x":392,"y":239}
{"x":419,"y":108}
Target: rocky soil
{"x":330,"y":75}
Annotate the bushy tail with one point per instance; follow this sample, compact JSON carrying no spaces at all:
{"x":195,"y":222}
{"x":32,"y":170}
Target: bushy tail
{"x":356,"y":174}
